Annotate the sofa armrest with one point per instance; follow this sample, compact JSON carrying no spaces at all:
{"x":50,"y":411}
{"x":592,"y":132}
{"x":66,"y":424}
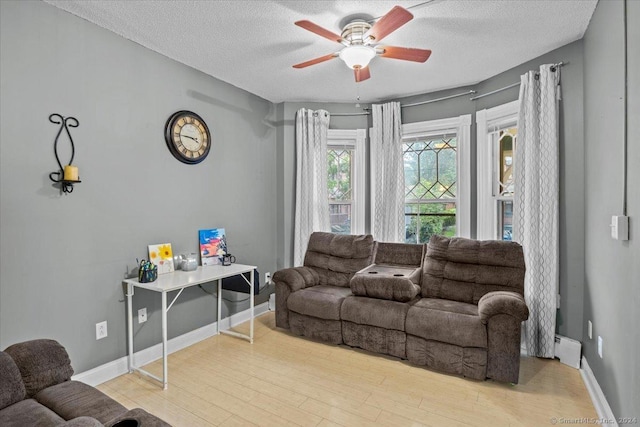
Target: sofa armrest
{"x":502,"y":302}
{"x":297,"y":278}
{"x":503,"y":313}
{"x":287,"y":281}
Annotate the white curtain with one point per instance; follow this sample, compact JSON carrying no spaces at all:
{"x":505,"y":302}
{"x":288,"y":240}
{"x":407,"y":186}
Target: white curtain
{"x":535,"y":209}
{"x":387,"y":167}
{"x":312,"y":197}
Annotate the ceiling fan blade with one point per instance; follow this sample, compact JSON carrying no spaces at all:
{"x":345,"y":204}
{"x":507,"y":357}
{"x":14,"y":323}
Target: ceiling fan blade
{"x":361,"y":74}
{"x":405,"y":53}
{"x":310,"y":26}
{"x":315,"y":61}
{"x":394,"y":19}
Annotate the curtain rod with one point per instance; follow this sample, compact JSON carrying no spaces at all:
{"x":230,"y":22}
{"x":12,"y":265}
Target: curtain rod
{"x":438,"y":99}
{"x":553,"y":66}
{"x":349,"y":114}
{"x":367,"y":109}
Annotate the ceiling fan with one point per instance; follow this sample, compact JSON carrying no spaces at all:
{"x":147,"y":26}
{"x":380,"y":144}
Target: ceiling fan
{"x":360,"y":39}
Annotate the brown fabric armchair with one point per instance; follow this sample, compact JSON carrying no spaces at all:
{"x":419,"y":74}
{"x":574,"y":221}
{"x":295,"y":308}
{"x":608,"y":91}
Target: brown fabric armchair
{"x":36,"y":390}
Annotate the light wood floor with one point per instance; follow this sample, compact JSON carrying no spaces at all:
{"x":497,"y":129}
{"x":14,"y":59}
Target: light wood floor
{"x":283,"y":380}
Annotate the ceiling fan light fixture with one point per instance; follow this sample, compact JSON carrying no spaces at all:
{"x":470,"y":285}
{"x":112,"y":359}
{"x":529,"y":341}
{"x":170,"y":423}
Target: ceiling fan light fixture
{"x":357,"y":56}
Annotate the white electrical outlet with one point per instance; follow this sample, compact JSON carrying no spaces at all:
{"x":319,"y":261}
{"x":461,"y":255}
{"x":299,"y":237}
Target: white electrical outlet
{"x":101,"y":330}
{"x":590,"y":329}
{"x":267,"y":278}
{"x":142,"y":315}
{"x":600,"y":346}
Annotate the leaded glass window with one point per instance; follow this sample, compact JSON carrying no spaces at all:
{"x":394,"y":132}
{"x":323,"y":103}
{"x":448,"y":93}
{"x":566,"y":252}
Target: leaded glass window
{"x":430,"y":168}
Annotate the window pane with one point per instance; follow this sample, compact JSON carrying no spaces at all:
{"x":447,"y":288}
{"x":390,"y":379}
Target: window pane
{"x":340,"y":186}
{"x":431,"y":173}
{"x":430,"y":169}
{"x":339,"y":178}
{"x":505,"y":219}
{"x":422,"y":220}
{"x":506,"y":142}
{"x":340,"y":217}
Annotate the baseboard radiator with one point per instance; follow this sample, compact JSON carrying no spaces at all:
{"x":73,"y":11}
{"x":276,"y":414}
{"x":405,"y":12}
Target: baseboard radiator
{"x":568,"y":351}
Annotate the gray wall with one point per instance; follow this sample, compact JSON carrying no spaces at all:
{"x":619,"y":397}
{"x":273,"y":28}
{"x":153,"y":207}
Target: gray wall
{"x":63,"y":257}
{"x":571,"y":164}
{"x":612,"y":292}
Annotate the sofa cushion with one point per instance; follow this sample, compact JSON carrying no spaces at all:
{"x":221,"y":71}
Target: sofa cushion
{"x":320,"y":301}
{"x":30,"y":413}
{"x":390,"y":282}
{"x":336,"y":257}
{"x":72,"y":399}
{"x":464,"y":270}
{"x":399,"y":254}
{"x":42,"y":363}
{"x":446,"y":321}
{"x":11,"y":387}
{"x":374,"y":312}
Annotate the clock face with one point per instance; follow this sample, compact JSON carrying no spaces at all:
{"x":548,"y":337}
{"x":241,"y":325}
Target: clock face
{"x":187,"y":137}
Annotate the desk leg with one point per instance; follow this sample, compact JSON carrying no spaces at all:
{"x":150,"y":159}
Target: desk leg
{"x":251,"y":302}
{"x":130,"y":324}
{"x":219,"y":304}
{"x":165,"y":381}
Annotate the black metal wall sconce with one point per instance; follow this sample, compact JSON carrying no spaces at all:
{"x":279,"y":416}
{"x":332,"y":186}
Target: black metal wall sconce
{"x":68,"y":175}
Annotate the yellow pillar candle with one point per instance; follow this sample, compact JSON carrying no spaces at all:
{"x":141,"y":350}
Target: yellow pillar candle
{"x":70,"y":173}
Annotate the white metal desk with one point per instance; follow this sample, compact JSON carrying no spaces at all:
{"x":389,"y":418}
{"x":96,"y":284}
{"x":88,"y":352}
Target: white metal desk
{"x":178,"y":281}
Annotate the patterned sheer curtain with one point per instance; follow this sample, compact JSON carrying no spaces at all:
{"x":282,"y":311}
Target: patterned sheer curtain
{"x":387,"y":168}
{"x":536,"y":203}
{"x":312,"y":208}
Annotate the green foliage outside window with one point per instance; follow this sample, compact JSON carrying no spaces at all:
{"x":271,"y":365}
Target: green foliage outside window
{"x":424,"y":220}
{"x":339,"y":174}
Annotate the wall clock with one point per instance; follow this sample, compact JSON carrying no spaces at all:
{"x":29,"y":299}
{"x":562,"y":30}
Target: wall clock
{"x":187,"y":137}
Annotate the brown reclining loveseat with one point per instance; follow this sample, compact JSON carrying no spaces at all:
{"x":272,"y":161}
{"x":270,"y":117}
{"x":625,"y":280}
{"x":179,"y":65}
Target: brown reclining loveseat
{"x":455,"y":305}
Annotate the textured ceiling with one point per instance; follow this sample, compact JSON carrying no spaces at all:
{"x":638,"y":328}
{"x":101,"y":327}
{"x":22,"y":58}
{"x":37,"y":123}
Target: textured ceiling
{"x":253,"y":44}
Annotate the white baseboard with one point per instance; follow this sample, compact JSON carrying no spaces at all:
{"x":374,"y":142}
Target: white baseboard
{"x":118,"y":367}
{"x":597,"y":396}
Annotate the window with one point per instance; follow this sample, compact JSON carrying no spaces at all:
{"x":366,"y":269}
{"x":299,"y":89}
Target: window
{"x":497,"y":142}
{"x":436,"y":165}
{"x":345,"y":180}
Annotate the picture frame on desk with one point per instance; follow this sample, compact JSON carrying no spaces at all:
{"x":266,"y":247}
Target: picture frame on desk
{"x":162,"y":256}
{"x":213,"y":245}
